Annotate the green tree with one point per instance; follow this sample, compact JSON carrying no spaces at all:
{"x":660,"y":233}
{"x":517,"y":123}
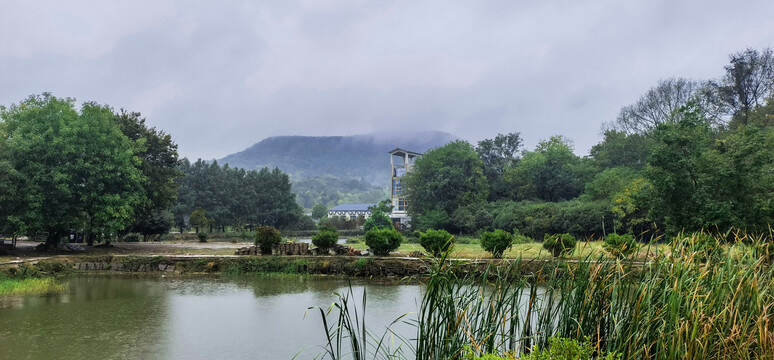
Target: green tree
{"x":384,"y":206}
{"x":326,"y":238}
{"x":159,"y":167}
{"x":319,"y":211}
{"x":199,"y":219}
{"x":378,"y":220}
{"x":496,"y":242}
{"x":620,"y":149}
{"x":497,"y":155}
{"x":444,"y":179}
{"x":749,"y":80}
{"x":550,"y":173}
{"x":660,"y":103}
{"x":81,"y":171}
{"x":701,"y":181}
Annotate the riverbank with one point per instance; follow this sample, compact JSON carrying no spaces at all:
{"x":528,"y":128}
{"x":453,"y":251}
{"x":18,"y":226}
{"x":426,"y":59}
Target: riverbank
{"x":350,"y":266}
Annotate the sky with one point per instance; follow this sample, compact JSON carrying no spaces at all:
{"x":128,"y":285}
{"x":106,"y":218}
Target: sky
{"x":221,"y":75}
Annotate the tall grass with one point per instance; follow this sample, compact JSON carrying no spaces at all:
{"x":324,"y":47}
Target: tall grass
{"x":701,"y":301}
{"x":29,"y":286}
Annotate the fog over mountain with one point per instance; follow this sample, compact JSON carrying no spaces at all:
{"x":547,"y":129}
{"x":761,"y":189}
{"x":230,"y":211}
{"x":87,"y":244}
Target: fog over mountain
{"x":361,"y":157}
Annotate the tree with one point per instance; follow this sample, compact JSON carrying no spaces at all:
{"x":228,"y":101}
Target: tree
{"x":659,"y":105}
{"x":444,"y":179}
{"x":81,"y":171}
{"x":497,"y":155}
{"x":199,"y":219}
{"x":550,"y":173}
{"x":319,"y":211}
{"x":703,"y":182}
{"x":748,"y":81}
{"x":159,"y":166}
{"x":384,"y":206}
{"x":378,"y":220}
{"x":621,"y":149}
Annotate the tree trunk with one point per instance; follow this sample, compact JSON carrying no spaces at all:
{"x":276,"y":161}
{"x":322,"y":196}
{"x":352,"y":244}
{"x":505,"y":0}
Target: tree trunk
{"x":54,"y":240}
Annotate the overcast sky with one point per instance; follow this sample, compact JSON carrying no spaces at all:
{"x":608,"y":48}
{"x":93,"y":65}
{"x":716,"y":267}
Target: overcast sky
{"x":222,"y":75}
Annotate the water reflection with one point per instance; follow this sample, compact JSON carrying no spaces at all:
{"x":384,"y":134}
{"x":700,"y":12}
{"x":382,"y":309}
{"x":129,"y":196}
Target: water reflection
{"x":186,"y":318}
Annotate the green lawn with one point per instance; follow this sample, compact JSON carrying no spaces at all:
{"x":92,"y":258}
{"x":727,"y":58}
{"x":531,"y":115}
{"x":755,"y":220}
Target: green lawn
{"x":531,"y":250}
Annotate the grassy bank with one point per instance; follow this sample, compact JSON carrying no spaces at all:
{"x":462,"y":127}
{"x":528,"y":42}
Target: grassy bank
{"x":700,"y":300}
{"x":30,"y":287}
{"x":33,"y":280}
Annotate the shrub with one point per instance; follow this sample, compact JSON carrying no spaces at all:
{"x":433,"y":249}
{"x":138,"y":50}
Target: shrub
{"x":558,"y":349}
{"x":620,"y":246}
{"x":559,"y":244}
{"x":326,"y":238}
{"x":378,"y":220}
{"x":266,"y":237}
{"x":202,"y":236}
{"x":436,"y":241}
{"x":132,"y":237}
{"x":496,"y":242}
{"x":353,"y":240}
{"x":382,"y":241}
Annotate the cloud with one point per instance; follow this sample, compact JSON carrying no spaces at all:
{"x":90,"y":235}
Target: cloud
{"x":220,"y":76}
{"x":148,"y":101}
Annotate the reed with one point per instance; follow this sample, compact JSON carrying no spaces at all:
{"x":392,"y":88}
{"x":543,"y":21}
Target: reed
{"x":699,"y":301}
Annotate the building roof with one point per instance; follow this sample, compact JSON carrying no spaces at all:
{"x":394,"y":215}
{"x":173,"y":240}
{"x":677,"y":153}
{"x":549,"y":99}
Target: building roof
{"x":352,"y":207}
{"x":402,"y":151}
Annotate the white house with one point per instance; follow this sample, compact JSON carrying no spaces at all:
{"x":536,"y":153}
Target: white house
{"x":351,"y":211}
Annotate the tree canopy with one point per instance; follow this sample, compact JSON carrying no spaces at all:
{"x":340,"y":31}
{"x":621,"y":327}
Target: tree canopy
{"x":77,"y":169}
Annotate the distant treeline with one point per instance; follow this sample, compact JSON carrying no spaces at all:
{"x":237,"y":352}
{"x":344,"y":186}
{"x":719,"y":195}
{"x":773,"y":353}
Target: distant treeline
{"x":688,"y":155}
{"x":331,"y":191}
{"x":236,"y":198}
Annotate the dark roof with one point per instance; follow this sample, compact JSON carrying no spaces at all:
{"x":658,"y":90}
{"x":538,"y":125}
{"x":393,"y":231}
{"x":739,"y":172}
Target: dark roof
{"x":352,"y":207}
{"x":399,"y":150}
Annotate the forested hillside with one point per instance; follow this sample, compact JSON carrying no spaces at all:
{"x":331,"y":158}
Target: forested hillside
{"x":362,"y":157}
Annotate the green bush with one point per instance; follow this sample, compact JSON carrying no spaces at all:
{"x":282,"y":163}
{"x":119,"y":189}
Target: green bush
{"x":378,"y":220}
{"x":266,"y":237}
{"x":436,"y":241}
{"x":353,"y":240}
{"x":382,"y":241}
{"x":326,"y":238}
{"x":132,"y":237}
{"x":202,"y":236}
{"x":620,"y":246}
{"x":496,"y":242}
{"x":559,"y":244}
{"x":558,"y":349}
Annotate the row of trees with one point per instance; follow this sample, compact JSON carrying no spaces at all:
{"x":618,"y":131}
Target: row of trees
{"x":235,"y":197}
{"x":105,"y":172}
{"x":688,"y":155}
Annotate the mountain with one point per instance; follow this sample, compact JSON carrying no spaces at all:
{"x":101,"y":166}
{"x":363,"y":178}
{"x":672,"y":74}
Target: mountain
{"x":362,"y":157}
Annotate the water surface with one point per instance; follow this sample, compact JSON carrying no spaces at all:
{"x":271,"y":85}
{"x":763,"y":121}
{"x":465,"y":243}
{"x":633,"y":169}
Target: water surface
{"x":187,"y":318}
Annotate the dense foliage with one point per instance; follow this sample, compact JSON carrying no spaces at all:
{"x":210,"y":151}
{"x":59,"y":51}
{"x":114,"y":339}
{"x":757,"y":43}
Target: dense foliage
{"x":236,"y":197}
{"x":382,"y":241}
{"x":688,"y":155}
{"x":436,"y":241}
{"x":496,"y":242}
{"x":559,"y":244}
{"x":326,"y":238}
{"x":620,"y":246}
{"x":377,"y":220}
{"x":67,"y":169}
{"x":266,"y":237}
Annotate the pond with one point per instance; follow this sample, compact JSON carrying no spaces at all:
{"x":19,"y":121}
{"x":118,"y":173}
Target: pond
{"x":188,"y":317}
